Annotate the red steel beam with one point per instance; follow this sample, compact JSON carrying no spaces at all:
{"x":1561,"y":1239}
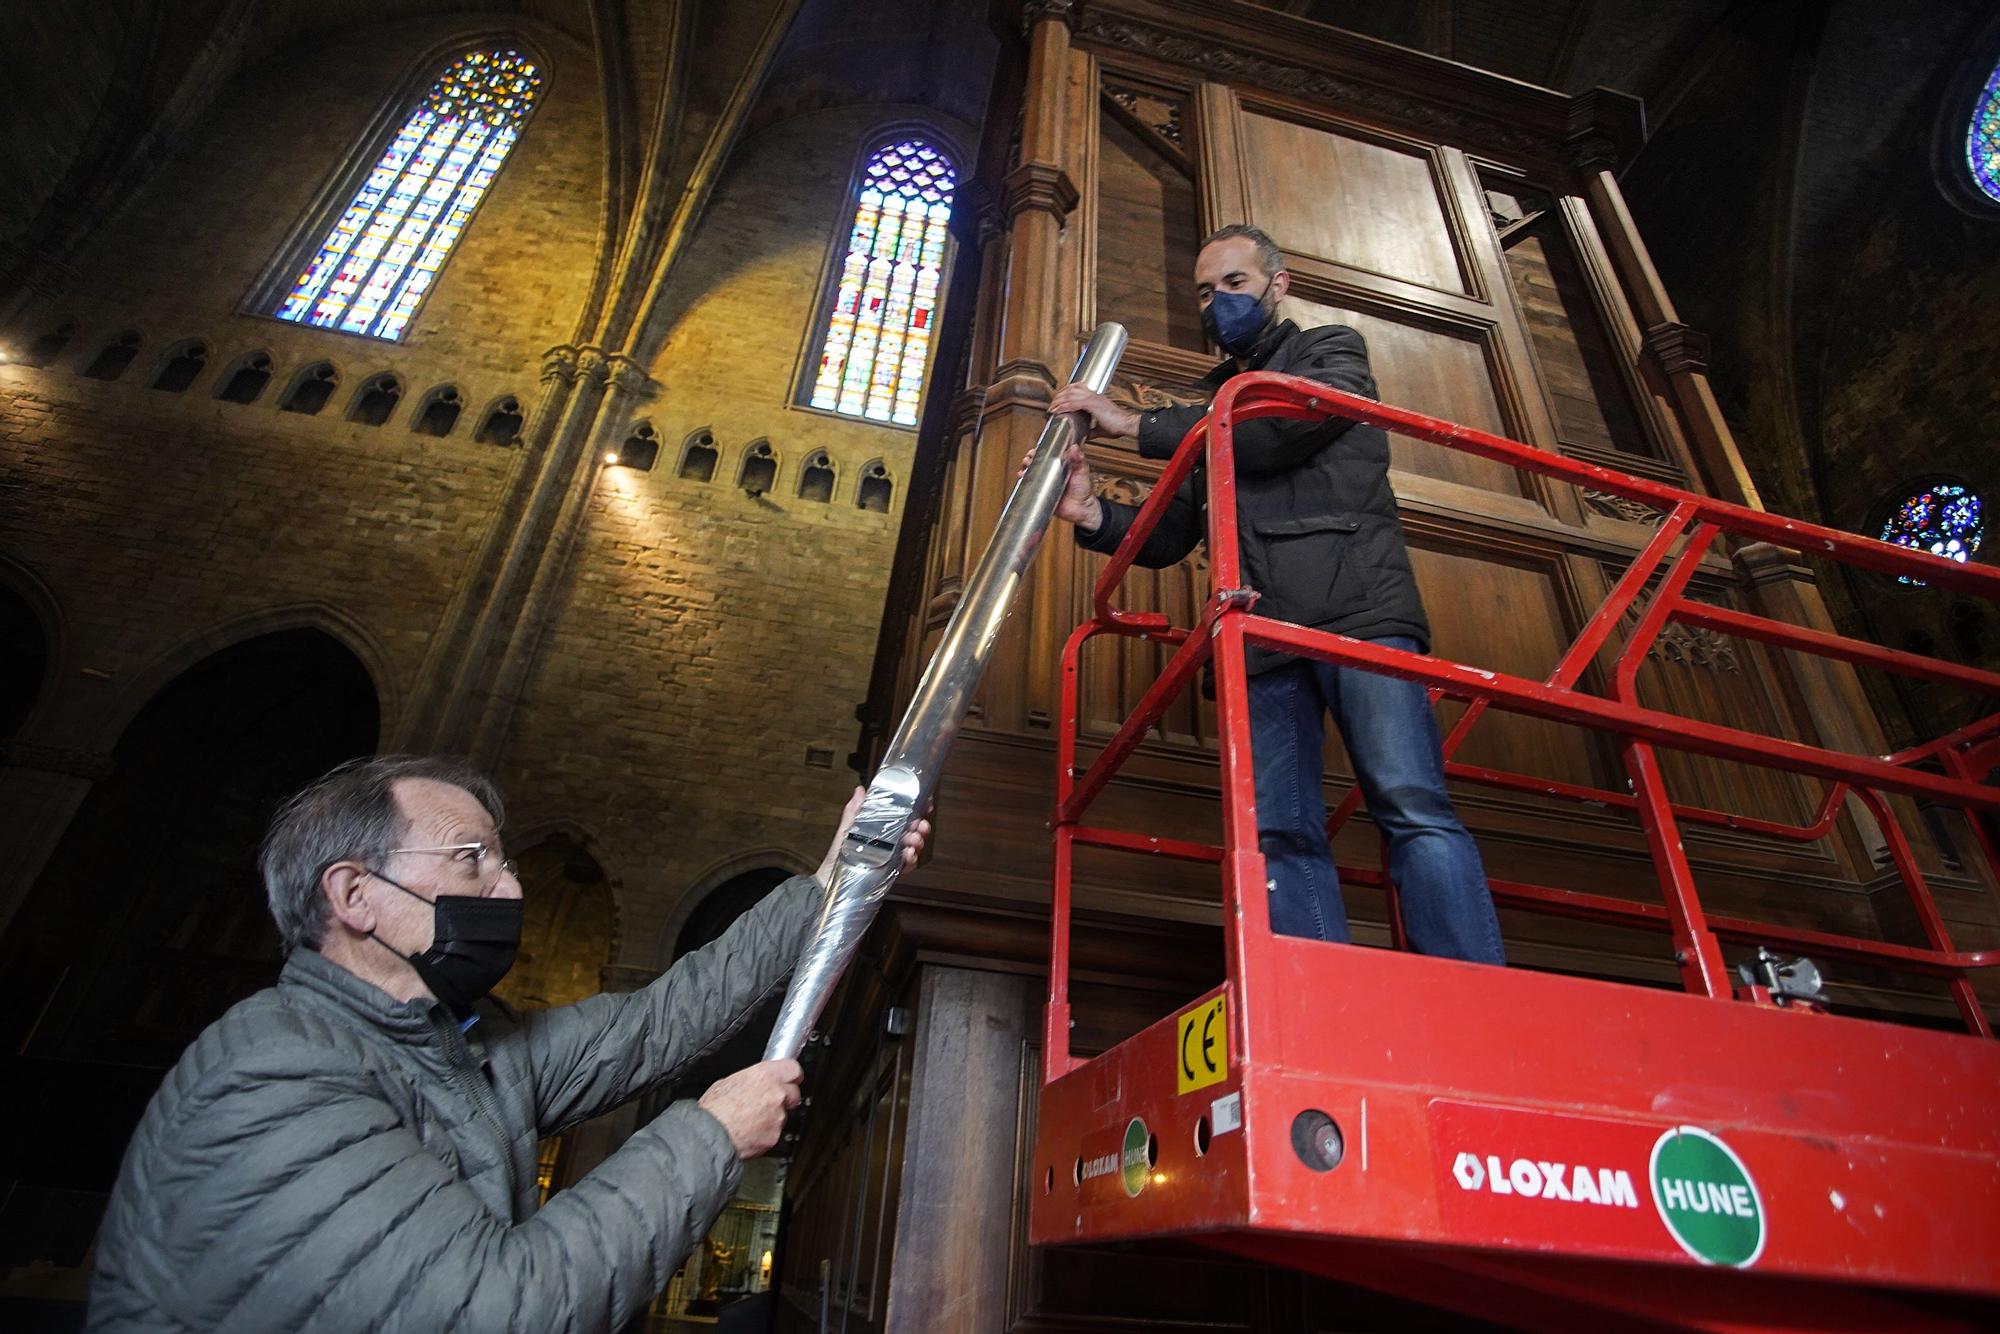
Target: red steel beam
{"x":1517,"y":694}
{"x":1723,"y":620}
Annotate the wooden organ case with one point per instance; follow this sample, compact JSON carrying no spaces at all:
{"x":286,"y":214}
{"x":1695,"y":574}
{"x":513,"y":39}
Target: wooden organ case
{"x":1472,"y":229}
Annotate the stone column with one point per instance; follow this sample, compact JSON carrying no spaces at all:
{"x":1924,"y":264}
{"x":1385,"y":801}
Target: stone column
{"x":1036,"y":343}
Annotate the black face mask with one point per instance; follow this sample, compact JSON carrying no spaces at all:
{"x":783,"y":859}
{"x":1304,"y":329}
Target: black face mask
{"x":473,"y":944}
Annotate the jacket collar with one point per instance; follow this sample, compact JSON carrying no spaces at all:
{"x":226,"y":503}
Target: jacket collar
{"x":1268,"y":343}
{"x":310,"y":971}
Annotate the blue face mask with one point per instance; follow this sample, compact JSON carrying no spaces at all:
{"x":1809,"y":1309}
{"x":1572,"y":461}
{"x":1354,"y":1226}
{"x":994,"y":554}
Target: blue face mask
{"x":1235,"y":319}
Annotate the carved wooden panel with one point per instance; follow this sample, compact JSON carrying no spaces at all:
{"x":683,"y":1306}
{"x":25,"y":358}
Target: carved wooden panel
{"x":1349,"y":200}
{"x":1700,"y":674}
{"x":1148,"y":221}
{"x":1442,"y":374}
{"x":1574,"y":353}
{"x":1117,"y":670}
{"x":1506,"y":615}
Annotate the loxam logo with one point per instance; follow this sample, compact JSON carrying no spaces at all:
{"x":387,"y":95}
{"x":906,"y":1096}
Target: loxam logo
{"x":1537,"y":1180}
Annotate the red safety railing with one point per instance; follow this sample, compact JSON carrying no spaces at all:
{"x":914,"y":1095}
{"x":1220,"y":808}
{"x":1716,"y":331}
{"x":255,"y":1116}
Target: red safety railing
{"x":1227,"y":625}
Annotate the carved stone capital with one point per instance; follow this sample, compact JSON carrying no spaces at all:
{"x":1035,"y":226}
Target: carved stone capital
{"x":1677,"y":349}
{"x":1066,"y":12}
{"x":626,"y":374}
{"x":593,"y":364}
{"x":70,"y":760}
{"x":1039,"y":185}
{"x":559,"y":363}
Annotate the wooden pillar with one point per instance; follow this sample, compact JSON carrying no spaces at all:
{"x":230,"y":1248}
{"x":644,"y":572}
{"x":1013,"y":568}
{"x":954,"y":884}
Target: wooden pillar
{"x":952,"y":1237}
{"x":1835,"y":703}
{"x":1676,"y":354}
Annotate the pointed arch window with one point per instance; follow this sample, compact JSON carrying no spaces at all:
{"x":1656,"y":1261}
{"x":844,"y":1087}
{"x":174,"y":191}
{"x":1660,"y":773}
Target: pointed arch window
{"x":876,"y":336}
{"x":1982,"y":139}
{"x":371,"y":271}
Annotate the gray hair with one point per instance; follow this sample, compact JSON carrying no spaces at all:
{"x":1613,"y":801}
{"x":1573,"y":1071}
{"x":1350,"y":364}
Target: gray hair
{"x":350,"y":813}
{"x":1269,"y":258}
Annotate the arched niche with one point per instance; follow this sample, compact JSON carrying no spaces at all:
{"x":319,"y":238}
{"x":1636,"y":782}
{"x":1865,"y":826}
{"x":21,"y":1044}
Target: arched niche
{"x":569,"y":924}
{"x":149,"y":919}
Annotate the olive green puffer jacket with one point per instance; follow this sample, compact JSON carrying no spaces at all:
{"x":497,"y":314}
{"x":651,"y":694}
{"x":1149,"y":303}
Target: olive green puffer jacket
{"x":325,"y":1158}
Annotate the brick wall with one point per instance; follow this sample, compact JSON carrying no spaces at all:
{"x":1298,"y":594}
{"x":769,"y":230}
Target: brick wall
{"x":703,"y":641}
{"x":708,"y":639}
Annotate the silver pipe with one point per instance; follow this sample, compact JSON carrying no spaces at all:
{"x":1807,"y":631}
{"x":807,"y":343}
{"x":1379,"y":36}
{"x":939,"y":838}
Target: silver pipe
{"x":870,"y":855}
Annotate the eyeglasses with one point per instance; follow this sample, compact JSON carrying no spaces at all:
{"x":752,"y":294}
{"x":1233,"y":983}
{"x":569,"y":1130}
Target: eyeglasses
{"x":475,"y":857}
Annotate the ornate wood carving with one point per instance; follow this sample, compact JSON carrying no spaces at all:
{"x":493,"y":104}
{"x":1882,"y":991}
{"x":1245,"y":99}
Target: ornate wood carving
{"x":1161,"y":116}
{"x":1225,"y":62}
{"x":1618,"y":507}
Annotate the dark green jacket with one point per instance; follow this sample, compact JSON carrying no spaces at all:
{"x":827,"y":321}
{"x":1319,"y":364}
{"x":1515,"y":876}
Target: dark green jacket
{"x":325,"y":1158}
{"x":1316,"y":519}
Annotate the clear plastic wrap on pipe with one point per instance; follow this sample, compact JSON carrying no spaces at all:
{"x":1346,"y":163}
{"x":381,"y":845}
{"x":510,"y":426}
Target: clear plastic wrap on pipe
{"x":870,"y":855}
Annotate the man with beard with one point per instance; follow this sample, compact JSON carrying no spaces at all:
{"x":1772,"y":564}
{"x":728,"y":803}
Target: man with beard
{"x":1322,"y":544}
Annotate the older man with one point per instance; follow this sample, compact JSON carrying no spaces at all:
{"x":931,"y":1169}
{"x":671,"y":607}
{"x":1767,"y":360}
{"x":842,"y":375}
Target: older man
{"x":1321,"y":542}
{"x":354,"y":1148}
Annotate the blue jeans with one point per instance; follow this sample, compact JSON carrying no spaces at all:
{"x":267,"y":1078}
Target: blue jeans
{"x":1393,"y":740}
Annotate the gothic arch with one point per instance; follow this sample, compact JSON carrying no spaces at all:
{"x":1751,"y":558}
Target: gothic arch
{"x":572,"y":922}
{"x":32,"y":601}
{"x":184,"y":653}
{"x":907,"y":123}
{"x":148,"y":920}
{"x":714,"y":877}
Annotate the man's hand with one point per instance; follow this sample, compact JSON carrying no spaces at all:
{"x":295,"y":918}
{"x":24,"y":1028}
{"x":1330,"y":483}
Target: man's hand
{"x":1107,"y":417}
{"x":1079,"y":504}
{"x":751,"y":1104}
{"x":913,"y":839}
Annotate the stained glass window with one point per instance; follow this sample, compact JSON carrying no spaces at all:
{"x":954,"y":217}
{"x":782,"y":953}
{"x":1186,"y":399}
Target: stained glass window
{"x":1943,"y":518}
{"x":1982,"y":138}
{"x":383,"y":254}
{"x":878,"y":334}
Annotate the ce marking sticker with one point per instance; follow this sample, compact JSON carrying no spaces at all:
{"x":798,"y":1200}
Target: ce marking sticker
{"x":1204,"y":1047}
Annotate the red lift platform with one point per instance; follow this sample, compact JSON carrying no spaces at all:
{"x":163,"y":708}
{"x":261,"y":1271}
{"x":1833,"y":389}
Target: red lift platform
{"x":1534,"y":1149}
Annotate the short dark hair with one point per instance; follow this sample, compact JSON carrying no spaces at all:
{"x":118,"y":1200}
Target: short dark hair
{"x":1269,"y":258}
{"x":351,"y":812}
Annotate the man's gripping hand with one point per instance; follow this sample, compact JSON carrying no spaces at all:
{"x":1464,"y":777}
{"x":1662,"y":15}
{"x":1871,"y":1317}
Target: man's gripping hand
{"x":751,"y":1104}
{"x":913,"y":839}
{"x":1079,"y":503}
{"x":1106,"y":417}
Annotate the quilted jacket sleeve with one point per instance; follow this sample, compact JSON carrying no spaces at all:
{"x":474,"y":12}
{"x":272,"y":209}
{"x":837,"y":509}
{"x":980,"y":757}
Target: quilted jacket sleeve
{"x":296,"y":1199}
{"x":590,"y":1057}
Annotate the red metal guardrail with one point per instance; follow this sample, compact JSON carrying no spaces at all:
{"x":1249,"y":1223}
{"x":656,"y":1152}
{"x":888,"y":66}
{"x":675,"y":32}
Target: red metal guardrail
{"x":1692,"y":523}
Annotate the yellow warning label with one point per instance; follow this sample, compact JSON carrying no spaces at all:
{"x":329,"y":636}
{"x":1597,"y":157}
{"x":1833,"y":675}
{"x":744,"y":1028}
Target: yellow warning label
{"x":1204,"y":1047}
